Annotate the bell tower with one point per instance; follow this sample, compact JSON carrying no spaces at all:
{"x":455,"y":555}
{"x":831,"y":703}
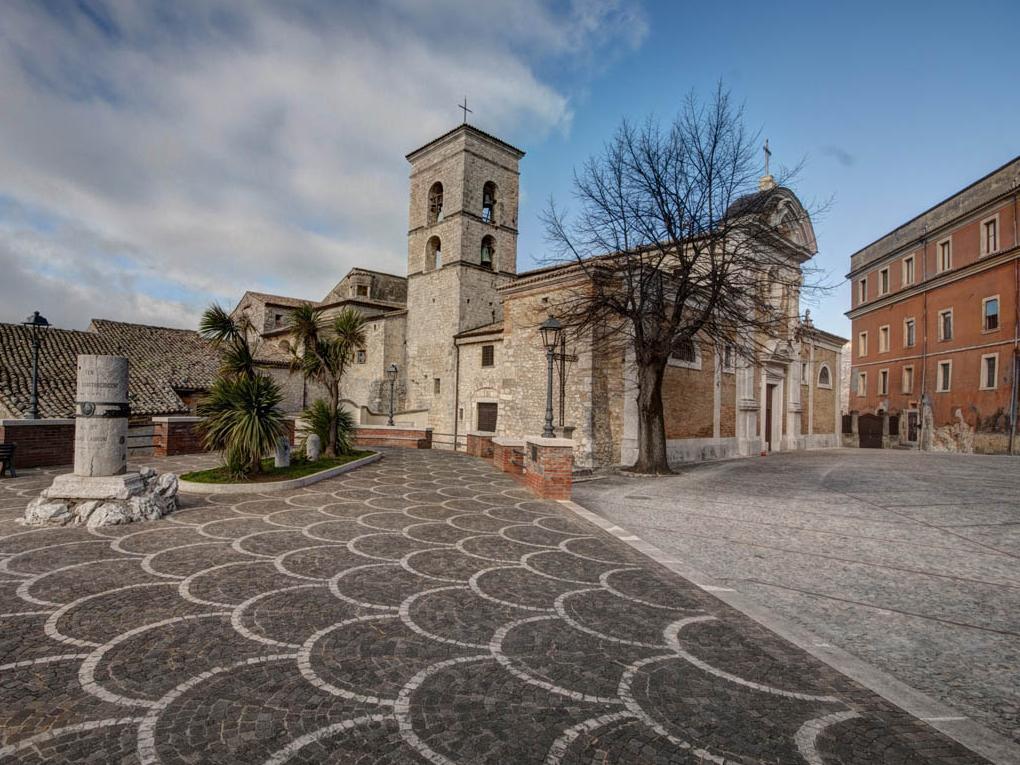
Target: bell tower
{"x":461,"y":247}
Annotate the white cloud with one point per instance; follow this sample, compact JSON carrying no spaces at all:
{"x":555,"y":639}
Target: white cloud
{"x":191,"y":150}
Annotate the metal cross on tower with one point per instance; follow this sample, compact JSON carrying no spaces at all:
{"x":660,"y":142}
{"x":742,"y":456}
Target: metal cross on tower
{"x":464,"y":108}
{"x":768,"y":155}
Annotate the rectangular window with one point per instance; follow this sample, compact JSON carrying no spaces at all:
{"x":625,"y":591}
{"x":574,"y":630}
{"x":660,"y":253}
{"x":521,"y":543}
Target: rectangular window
{"x":944,"y":254}
{"x":883,"y":281}
{"x":361,"y":356}
{"x":944,"y":378}
{"x":862,"y":383}
{"x":862,"y":290}
{"x":909,"y":333}
{"x":862,"y":344}
{"x":488,"y":355}
{"x":908,"y":379}
{"x":728,"y":358}
{"x":883,"y":339}
{"x":436,"y":387}
{"x":990,"y":310}
{"x":805,"y":375}
{"x":908,"y":270}
{"x":278,"y":320}
{"x":487,"y":414}
{"x":990,"y":236}
{"x":362,"y":290}
{"x":883,"y":382}
{"x":946,"y":324}
{"x":989,"y":371}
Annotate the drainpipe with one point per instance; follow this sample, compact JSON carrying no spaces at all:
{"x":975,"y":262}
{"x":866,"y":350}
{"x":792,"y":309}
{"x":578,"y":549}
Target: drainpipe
{"x":924,"y":338}
{"x":456,"y":394}
{"x":1016,"y":326}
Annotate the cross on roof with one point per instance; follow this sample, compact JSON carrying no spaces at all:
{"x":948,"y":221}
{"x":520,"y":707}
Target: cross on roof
{"x":464,"y":108}
{"x":768,"y":155}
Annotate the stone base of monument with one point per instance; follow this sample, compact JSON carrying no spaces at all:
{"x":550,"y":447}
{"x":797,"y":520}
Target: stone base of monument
{"x":74,"y":500}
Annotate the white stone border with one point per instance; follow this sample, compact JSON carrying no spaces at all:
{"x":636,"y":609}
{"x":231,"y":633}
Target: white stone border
{"x":193,"y":487}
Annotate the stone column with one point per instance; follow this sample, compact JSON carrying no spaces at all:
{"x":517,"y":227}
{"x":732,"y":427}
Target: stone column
{"x":101,"y":416}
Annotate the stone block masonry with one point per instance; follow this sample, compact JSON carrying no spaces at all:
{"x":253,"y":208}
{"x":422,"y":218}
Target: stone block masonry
{"x":40,"y":443}
{"x":549,"y":466}
{"x":401,"y":437}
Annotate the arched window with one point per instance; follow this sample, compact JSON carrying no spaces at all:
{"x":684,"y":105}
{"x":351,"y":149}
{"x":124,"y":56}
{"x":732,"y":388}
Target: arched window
{"x":435,"y":203}
{"x":488,"y":253}
{"x":433,"y":254}
{"x":824,"y":377}
{"x":489,"y":202}
{"x":685,"y":354}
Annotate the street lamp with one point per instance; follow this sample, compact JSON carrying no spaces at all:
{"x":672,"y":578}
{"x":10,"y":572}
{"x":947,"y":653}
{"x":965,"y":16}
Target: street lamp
{"x":550,"y":330}
{"x":37,"y":325}
{"x":391,"y":375}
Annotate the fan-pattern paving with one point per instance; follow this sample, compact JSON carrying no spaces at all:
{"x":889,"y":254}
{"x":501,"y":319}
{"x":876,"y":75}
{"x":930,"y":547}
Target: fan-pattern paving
{"x":422,"y":609}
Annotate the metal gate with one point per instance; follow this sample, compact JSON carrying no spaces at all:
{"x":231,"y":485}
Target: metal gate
{"x":869,"y":429}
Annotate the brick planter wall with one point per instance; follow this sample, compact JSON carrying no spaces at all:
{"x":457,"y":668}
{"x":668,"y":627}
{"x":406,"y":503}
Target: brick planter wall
{"x":41,"y":443}
{"x":179,"y":435}
{"x":384,"y":435}
{"x":480,"y":445}
{"x":508,"y":455}
{"x":549,"y":466}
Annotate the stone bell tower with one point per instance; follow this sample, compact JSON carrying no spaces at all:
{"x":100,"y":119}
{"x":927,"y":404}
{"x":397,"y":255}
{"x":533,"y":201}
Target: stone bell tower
{"x":461,"y":247}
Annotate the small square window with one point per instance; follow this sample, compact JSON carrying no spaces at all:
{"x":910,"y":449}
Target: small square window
{"x":908,"y":270}
{"x":361,"y":356}
{"x":362,"y":290}
{"x":944,"y":379}
{"x":488,"y":355}
{"x":909,"y":333}
{"x":436,"y":386}
{"x":989,"y":371}
{"x":990,"y":309}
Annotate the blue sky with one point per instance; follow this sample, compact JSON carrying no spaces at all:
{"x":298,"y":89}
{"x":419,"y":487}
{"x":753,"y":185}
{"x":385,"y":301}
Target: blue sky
{"x":154,"y":157}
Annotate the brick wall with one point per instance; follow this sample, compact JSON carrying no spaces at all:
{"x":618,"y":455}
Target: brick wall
{"x":508,"y":455}
{"x":41,"y":443}
{"x":549,"y":467}
{"x":179,"y":435}
{"x":407,"y":438}
{"x":480,"y":445}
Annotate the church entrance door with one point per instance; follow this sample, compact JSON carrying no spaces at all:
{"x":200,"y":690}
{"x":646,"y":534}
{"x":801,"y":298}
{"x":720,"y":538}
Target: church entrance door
{"x":769,"y":391}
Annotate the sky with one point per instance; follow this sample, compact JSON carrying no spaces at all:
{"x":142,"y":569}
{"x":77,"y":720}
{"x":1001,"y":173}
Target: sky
{"x":156,"y":157}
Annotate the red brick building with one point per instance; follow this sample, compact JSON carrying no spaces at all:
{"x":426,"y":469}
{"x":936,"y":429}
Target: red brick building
{"x":935,"y":320}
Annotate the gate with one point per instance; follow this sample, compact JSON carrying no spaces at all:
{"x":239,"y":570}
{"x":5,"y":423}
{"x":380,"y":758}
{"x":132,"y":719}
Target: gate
{"x":869,"y":429}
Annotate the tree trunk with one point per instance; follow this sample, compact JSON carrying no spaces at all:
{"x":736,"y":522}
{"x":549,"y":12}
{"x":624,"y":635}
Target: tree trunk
{"x":334,"y":405}
{"x":651,"y":422}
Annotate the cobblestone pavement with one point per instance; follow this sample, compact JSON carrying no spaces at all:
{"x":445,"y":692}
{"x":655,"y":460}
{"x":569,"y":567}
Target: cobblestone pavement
{"x":422,"y":609}
{"x":907,"y":560}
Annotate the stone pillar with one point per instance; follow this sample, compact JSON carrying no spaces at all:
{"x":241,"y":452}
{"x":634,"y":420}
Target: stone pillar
{"x":101,"y":416}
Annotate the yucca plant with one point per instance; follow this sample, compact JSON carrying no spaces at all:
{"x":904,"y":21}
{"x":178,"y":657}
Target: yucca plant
{"x":322,"y":350}
{"x":322,"y":422}
{"x":241,"y":415}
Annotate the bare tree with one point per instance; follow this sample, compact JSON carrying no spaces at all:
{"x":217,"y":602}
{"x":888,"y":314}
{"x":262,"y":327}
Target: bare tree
{"x":680,"y":243}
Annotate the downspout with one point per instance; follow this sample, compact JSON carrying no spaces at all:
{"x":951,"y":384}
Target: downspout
{"x":924,"y":338}
{"x":456,"y":394}
{"x":1016,"y":327}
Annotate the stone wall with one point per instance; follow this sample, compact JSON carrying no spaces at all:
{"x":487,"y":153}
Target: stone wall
{"x":826,"y":400}
{"x":477,"y":384}
{"x":180,"y":435}
{"x":40,"y":443}
{"x":396,"y":436}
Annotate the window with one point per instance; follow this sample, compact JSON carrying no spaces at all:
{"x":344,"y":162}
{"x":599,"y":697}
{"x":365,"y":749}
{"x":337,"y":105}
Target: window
{"x":433,"y":254}
{"x":883,"y":382}
{"x":435,"y":203}
{"x":488,"y":251}
{"x":862,"y":383}
{"x":824,"y":377}
{"x":862,"y":344}
{"x":805,"y":375}
{"x":944,"y":379}
{"x":944,"y":255}
{"x":362,"y":290}
{"x":946,"y":324}
{"x":883,"y":339}
{"x":908,"y":270}
{"x":990,"y":312}
{"x":862,"y":290}
{"x":278,"y":320}
{"x":909,"y":333}
{"x":489,"y":202}
{"x":487,"y":414}
{"x":908,"y":379}
{"x":990,"y":236}
{"x":488,"y":355}
{"x":685,"y":354}
{"x":989,"y":371}
{"x":883,"y":281}
{"x":728,"y":358}
{"x":436,"y":387}
{"x":361,"y":356}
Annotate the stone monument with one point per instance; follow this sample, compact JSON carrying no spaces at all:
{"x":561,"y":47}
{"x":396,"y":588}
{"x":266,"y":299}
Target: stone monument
{"x":100,"y":491}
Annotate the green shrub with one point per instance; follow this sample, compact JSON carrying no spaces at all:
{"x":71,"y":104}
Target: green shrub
{"x":320,"y":421}
{"x":242,"y":419}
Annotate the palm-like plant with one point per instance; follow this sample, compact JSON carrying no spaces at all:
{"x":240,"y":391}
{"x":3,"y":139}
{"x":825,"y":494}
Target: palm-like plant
{"x":322,"y":422}
{"x":241,"y":414}
{"x":322,"y":350}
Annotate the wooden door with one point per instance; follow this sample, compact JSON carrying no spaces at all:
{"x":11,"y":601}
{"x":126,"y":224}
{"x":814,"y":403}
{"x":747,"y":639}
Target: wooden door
{"x":769,"y":390}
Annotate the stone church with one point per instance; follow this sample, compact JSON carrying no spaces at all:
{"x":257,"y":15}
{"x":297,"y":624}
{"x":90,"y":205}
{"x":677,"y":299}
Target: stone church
{"x":462,"y":329}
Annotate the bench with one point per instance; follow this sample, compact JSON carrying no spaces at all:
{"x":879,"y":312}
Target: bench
{"x":7,"y":459}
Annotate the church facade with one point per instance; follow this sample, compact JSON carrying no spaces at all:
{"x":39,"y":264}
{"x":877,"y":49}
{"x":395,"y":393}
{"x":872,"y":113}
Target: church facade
{"x":462,"y":329}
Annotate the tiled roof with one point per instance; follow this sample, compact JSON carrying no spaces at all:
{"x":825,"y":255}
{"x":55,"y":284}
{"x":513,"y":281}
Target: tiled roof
{"x":160,"y":360}
{"x":265,"y":297}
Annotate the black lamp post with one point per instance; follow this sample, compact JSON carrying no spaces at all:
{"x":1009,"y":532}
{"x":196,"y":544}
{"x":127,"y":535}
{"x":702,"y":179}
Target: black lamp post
{"x":391,"y":375}
{"x":37,"y":324}
{"x":550,"y":330}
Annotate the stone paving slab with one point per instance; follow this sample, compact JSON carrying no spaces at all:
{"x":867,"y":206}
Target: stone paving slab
{"x":422,"y":609}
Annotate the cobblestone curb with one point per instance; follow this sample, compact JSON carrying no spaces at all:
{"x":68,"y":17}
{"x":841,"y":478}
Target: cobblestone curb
{"x":194,"y":487}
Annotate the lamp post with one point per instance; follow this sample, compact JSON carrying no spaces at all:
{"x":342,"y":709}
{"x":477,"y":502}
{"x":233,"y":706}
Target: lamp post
{"x":391,"y":375}
{"x":550,"y":330}
{"x":37,"y":324}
